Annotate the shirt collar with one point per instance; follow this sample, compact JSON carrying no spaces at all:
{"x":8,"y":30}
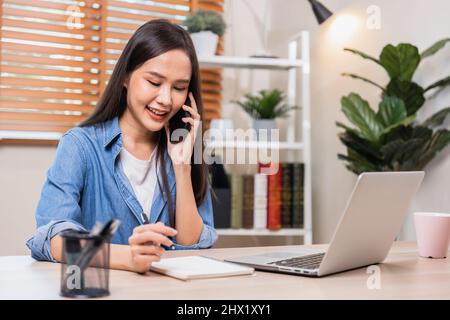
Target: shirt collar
{"x":112,"y":130}
{"x":169,"y":170}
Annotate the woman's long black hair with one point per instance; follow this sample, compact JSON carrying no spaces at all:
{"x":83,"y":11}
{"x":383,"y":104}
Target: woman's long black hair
{"x":151,"y":40}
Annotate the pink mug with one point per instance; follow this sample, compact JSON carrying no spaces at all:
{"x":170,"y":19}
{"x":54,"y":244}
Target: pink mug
{"x":433,"y":233}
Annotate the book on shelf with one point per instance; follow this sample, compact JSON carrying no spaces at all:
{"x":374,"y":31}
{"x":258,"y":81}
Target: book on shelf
{"x":236,"y":201}
{"x":286,"y":195}
{"x":263,"y":201}
{"x":297,"y":214}
{"x":274,"y":189}
{"x":260,"y":201}
{"x":247,"y":201}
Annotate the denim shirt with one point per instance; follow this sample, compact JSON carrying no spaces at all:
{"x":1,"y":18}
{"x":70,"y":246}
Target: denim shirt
{"x":86,"y":184}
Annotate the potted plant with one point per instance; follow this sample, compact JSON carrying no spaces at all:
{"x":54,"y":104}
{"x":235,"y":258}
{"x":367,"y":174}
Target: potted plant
{"x":205,"y":28}
{"x":391,"y":138}
{"x":264,"y":108}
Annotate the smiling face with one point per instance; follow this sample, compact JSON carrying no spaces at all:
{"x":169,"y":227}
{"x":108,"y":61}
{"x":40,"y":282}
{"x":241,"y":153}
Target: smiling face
{"x":157,"y":90}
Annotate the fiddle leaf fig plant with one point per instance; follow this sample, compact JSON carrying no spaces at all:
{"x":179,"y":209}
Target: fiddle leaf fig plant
{"x":390,"y":138}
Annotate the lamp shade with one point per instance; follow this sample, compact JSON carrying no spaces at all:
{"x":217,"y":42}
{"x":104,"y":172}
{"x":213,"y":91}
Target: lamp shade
{"x":320,"y":11}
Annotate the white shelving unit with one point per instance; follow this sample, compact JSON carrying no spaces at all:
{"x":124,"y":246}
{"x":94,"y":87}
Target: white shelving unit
{"x":249,"y":62}
{"x":299,"y":120}
{"x":255,"y":145}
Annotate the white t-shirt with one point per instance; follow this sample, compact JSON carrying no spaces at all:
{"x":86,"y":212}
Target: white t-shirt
{"x":142,"y":177}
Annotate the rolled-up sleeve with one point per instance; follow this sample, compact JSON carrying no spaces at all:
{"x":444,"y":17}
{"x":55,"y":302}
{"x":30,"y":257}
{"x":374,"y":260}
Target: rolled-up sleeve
{"x":58,"y":208}
{"x":209,"y":235}
{"x":39,"y":244}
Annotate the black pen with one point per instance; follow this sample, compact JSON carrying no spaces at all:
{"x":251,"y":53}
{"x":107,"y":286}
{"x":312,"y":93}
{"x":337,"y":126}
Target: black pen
{"x":144,"y":217}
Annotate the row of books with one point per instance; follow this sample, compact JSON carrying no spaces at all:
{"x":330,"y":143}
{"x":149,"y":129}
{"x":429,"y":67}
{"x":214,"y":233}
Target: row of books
{"x":261,"y":201}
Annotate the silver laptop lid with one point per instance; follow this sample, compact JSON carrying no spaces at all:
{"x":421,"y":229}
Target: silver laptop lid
{"x":373,"y":217}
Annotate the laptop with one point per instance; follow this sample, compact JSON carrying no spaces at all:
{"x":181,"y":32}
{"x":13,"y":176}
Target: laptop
{"x":371,"y":221}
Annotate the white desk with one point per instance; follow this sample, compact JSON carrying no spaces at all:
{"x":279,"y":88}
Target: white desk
{"x":404,"y":275}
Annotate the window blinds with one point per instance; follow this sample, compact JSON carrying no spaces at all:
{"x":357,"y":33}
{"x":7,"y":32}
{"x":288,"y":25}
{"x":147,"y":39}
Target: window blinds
{"x":57,"y":55}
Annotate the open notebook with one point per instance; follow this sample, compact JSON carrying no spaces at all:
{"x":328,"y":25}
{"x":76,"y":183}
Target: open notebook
{"x":198,"y":267}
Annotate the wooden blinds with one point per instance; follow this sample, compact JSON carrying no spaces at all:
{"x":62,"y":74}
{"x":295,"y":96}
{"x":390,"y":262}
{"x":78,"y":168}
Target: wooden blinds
{"x":57,"y":55}
{"x":211,"y":77}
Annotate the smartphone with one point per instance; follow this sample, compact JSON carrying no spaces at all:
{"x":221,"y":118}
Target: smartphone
{"x":176,"y":122}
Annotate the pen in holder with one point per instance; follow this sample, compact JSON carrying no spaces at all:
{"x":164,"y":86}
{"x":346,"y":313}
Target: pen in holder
{"x":85,"y":265}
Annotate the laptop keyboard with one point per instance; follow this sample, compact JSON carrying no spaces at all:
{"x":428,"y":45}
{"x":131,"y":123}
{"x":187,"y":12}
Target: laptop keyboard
{"x":311,"y":261}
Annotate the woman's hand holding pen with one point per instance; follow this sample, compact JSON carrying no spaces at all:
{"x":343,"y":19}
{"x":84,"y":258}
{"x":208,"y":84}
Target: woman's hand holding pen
{"x":145,"y":244}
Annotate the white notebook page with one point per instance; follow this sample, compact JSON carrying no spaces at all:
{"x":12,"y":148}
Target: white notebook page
{"x":197,"y":267}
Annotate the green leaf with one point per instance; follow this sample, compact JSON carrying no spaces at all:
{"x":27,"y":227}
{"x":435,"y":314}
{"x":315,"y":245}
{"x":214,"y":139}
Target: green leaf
{"x":409,"y":92}
{"x":391,"y":110}
{"x":397,"y":152}
{"x":400,"y":61}
{"x":435,"y":48}
{"x":361,"y":146}
{"x":354,"y":131}
{"x":404,"y":146}
{"x":441,"y":83}
{"x":362,"y":162}
{"x":362,"y":54}
{"x":421,"y":132}
{"x":440,"y":140}
{"x":390,"y":150}
{"x":410,"y":132}
{"x":361,"y":115}
{"x":354,"y":76}
{"x":411,"y":150}
{"x":438,"y":118}
{"x":356,"y":163}
{"x":405,"y":122}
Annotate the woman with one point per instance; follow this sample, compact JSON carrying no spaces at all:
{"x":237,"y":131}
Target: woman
{"x":120,"y":164}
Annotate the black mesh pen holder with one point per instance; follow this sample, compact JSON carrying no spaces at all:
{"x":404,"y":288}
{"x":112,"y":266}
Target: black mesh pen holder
{"x":85,"y":265}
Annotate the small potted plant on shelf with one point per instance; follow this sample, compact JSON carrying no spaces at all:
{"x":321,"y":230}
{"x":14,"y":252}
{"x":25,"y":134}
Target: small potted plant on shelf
{"x":264,"y":108}
{"x":205,"y":28}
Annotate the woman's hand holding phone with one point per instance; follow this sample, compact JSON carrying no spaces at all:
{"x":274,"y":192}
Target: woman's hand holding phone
{"x":181,"y":152}
{"x":145,"y":244}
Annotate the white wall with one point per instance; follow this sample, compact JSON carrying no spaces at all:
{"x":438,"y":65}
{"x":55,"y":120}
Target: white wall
{"x":23,"y":168}
{"x":22,"y":172}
